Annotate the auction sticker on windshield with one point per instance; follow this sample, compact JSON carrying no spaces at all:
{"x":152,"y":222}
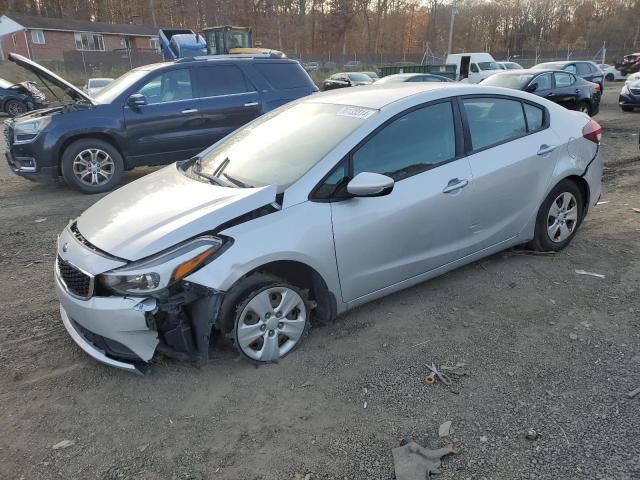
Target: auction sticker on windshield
{"x":356,"y":112}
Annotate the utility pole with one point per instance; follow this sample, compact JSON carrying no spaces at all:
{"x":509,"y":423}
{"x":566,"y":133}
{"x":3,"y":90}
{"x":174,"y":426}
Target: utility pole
{"x":604,"y":52}
{"x":454,"y":6}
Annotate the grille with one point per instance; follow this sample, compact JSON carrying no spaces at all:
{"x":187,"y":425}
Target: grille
{"x":76,"y":281}
{"x":635,"y":91}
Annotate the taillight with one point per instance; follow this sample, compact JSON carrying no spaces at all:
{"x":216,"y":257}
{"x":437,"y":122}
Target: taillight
{"x":592,"y":131}
{"x":596,"y":86}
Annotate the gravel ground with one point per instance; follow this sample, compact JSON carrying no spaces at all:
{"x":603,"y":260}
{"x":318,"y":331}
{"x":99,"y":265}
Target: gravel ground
{"x":544,"y":348}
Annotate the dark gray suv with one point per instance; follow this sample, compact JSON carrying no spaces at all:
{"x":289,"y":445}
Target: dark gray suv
{"x":152,"y":115}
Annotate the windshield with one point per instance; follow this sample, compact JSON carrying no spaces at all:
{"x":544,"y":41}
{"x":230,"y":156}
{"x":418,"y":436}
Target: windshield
{"x":549,"y":66}
{"x":4,"y":83}
{"x":508,"y":80}
{"x":109,"y":93}
{"x":281,"y":146}
{"x":359,"y":77}
{"x":489,"y":66}
{"x":99,"y":82}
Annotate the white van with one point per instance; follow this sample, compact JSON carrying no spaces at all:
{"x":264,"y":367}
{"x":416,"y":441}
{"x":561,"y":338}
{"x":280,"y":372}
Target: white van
{"x":473,"y":67}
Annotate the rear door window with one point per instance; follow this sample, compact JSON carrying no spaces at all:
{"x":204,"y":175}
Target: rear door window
{"x":283,"y":76}
{"x":564,"y":79}
{"x":219,"y":80}
{"x":410,"y":144}
{"x":494,"y":120}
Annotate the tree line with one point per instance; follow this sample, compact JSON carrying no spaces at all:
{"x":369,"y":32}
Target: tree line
{"x":352,"y":28}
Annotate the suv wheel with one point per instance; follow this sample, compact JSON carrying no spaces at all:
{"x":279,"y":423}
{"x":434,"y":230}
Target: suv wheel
{"x":558,"y":218}
{"x":14,"y":108}
{"x":92,"y":165}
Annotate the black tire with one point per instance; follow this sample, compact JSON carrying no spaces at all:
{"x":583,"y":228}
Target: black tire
{"x":626,"y":109}
{"x":542,"y":241}
{"x":610,"y":77}
{"x":585,"y":107}
{"x":104,"y":152}
{"x":242,"y":293}
{"x":14,"y":108}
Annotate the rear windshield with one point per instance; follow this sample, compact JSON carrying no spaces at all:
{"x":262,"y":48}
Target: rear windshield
{"x":283,"y":76}
{"x":359,"y":77}
{"x":508,"y":80}
{"x":281,"y":146}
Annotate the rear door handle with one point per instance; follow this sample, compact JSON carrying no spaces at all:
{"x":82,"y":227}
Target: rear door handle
{"x":189,"y":110}
{"x":251,"y":104}
{"x":551,"y":95}
{"x":544,"y":149}
{"x":455,"y":185}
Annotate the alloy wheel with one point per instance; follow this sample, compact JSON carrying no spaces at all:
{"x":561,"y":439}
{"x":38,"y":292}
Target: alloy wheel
{"x":271,"y":324}
{"x":15,"y":108}
{"x":93,"y":167}
{"x":562,"y":218}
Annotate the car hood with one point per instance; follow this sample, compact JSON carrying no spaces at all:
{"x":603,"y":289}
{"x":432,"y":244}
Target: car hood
{"x":47,"y":75}
{"x":163,"y":209}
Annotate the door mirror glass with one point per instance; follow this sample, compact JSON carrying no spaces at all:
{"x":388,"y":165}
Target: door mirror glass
{"x":368,"y":184}
{"x":532,"y":87}
{"x":137,"y":100}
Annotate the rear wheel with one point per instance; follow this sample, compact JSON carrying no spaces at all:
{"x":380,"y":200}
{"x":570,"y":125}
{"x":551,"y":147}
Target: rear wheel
{"x":15,"y":108}
{"x":92,"y":165}
{"x":610,"y":77}
{"x":626,"y":109}
{"x":584,"y":107}
{"x":270,"y":317}
{"x":558,"y":218}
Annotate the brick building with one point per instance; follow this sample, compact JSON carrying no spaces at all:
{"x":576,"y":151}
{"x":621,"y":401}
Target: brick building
{"x":43,"y":38}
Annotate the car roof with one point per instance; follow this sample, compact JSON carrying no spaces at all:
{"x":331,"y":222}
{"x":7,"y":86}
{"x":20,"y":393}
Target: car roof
{"x":379,"y":96}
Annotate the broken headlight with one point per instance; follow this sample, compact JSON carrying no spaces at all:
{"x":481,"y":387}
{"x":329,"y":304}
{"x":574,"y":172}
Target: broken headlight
{"x":159,"y":271}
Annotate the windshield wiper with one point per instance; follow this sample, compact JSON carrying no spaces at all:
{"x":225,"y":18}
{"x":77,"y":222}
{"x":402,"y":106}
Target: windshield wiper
{"x":212,"y":178}
{"x":237,"y":182}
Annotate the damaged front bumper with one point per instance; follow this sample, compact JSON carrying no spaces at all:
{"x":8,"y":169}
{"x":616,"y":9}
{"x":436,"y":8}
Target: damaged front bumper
{"x":112,"y":330}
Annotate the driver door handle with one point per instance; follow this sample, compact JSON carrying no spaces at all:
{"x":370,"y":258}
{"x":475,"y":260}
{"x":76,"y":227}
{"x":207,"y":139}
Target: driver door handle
{"x":544,"y":149}
{"x":454,"y":185}
{"x":251,"y":104}
{"x":189,"y":110}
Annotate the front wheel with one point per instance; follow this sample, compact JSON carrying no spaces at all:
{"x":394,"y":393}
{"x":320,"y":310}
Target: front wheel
{"x":558,"y":218}
{"x":270,"y":317}
{"x":92,"y":165}
{"x":626,"y":109}
{"x":15,"y":108}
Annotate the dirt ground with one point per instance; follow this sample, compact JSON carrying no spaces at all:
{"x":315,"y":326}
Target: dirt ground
{"x":544,"y":348}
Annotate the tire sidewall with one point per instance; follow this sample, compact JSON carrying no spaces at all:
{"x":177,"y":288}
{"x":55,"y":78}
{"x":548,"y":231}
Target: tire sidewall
{"x":541,"y":239}
{"x":243,"y":293}
{"x":76,"y":147}
{"x":588,"y":111}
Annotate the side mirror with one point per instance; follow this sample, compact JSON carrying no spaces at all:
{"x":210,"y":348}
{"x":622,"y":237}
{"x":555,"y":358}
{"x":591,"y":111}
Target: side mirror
{"x":532,"y":87}
{"x":137,"y":100}
{"x":367,"y":184}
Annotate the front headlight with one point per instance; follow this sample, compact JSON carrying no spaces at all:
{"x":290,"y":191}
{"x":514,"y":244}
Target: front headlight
{"x":625,"y":90}
{"x":162,"y":270}
{"x":26,"y":131}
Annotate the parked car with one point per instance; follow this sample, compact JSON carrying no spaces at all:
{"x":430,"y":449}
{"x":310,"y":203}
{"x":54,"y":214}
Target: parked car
{"x":611,"y":73}
{"x":412,"y":77}
{"x":94,"y":85}
{"x":311,"y":66}
{"x":352,"y":65}
{"x":330,"y":65}
{"x":346,"y":79}
{"x":372,"y":75}
{"x":560,"y":87}
{"x":355,"y":194}
{"x":633,"y":78}
{"x":583,"y":69}
{"x":629,"y":98}
{"x":473,"y":67}
{"x":510,"y":66}
{"x":18,"y":98}
{"x":152,"y":115}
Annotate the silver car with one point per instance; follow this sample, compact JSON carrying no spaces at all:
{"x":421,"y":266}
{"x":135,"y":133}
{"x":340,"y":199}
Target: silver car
{"x":315,"y":208}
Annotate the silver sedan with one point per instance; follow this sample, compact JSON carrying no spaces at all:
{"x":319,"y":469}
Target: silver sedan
{"x":315,"y":208}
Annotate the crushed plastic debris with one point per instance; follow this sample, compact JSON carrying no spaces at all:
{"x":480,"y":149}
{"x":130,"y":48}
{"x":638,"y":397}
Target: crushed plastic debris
{"x":579,"y":271}
{"x":414,"y":462}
